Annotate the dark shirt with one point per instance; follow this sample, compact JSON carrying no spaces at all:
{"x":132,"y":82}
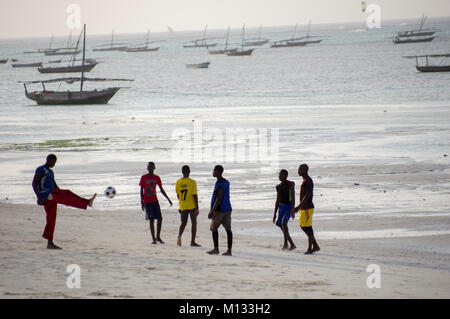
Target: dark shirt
{"x":307,"y":187}
{"x":284,"y":192}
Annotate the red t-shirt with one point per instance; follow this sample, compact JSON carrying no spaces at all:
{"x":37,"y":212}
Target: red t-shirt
{"x":148,"y":184}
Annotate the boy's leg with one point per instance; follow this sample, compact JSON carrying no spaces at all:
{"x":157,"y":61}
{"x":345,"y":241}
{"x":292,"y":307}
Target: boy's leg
{"x":183,"y":217}
{"x":226,"y":222}
{"x":152,"y":229}
{"x":287,"y":236}
{"x":194,"y":229}
{"x":158,"y":230}
{"x":215,"y":236}
{"x":50,"y":208}
{"x":68,"y":198}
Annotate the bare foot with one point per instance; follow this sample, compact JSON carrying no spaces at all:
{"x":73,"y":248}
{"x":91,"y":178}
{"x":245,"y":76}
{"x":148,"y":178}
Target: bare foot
{"x":154,"y":242}
{"x":285,"y":247}
{"x":316,"y":249}
{"x":91,"y":200}
{"x":160,"y":240}
{"x":52,"y":246}
{"x":214,"y":251}
{"x":179,"y":241}
{"x":227,"y":253}
{"x":195,"y":245}
{"x":292,"y":247}
{"x":308,"y":252}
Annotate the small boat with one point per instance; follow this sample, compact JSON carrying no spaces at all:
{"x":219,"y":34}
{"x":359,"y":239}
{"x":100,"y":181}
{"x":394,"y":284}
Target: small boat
{"x":200,"y":43}
{"x":62,"y":51}
{"x":46,"y":97}
{"x":203,"y":65}
{"x":414,"y":36}
{"x":241,"y":52}
{"x":142,"y":47}
{"x":257,"y":41}
{"x":399,"y":40}
{"x":3,"y":61}
{"x":26,"y":65}
{"x":225,"y":49}
{"x":68,"y":68}
{"x":14,"y":60}
{"x":431,"y":68}
{"x":111,"y":46}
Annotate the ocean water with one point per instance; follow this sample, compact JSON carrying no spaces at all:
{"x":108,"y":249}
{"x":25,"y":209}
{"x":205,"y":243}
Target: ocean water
{"x":349,"y":102}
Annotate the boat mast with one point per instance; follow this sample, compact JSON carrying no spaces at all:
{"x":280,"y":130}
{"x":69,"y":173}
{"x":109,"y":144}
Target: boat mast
{"x":82,"y":63}
{"x":204,"y":33}
{"x":243,"y":33}
{"x":112,"y":37}
{"x":226,"y":41}
{"x":295,"y":31}
{"x":309,"y":26}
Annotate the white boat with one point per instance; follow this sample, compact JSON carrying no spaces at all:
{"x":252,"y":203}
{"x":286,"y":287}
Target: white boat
{"x":200,"y":43}
{"x":142,"y":47}
{"x":111,"y":46}
{"x":256,"y":41}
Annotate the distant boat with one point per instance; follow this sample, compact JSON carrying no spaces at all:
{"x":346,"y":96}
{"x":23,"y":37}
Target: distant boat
{"x":257,"y":41}
{"x":399,"y":40}
{"x":200,"y":43}
{"x":62,"y":51}
{"x":3,"y":61}
{"x":26,"y":65}
{"x":203,"y":65}
{"x":68,"y":68}
{"x":241,"y":52}
{"x":80,"y":96}
{"x":431,"y":68}
{"x":142,"y":47}
{"x":225,"y":49}
{"x":418,"y":35}
{"x":302,"y":41}
{"x":111,"y":46}
{"x":284,"y":43}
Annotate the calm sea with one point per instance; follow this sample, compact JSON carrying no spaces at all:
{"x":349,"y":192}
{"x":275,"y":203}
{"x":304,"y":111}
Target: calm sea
{"x":351,"y":66}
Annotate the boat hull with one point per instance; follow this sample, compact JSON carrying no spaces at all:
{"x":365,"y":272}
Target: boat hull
{"x":408,"y":40}
{"x":26,"y":65}
{"x":58,"y":52}
{"x":221,"y":51}
{"x":68,"y":69}
{"x":203,"y":65}
{"x":437,"y":68}
{"x":72,"y":97}
{"x":240,"y":52}
{"x":133,"y":50}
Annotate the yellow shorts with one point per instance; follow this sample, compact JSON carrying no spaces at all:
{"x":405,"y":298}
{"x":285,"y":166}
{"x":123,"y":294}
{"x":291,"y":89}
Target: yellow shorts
{"x":306,"y":221}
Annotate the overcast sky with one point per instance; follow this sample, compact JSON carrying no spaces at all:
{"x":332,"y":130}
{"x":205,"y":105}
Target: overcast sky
{"x":34,"y":18}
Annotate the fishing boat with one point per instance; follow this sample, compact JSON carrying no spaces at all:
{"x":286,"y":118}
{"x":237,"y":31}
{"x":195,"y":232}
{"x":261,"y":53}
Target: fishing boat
{"x":68,"y":68}
{"x":81,"y":96}
{"x":111,"y":46}
{"x":292,"y":40}
{"x":256,"y":41}
{"x":62,"y":51}
{"x":200,"y":43}
{"x":241,"y":51}
{"x":27,"y":65}
{"x":3,"y":61}
{"x":431,"y":67}
{"x":225,"y":49}
{"x":142,"y":47}
{"x":417,"y":35}
{"x":203,"y":65}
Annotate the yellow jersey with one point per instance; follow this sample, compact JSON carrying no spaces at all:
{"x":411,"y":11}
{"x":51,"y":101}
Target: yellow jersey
{"x":186,"y":188}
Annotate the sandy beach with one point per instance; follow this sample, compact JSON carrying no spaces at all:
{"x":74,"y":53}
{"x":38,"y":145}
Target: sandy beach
{"x":117,"y":259}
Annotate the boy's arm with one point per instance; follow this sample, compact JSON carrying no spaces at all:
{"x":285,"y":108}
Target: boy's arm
{"x":293,"y":194}
{"x":277,"y":204}
{"x":36,"y":179}
{"x":142,"y":198}
{"x":196,"y":204}
{"x":164,"y":194}
{"x":217,"y":202}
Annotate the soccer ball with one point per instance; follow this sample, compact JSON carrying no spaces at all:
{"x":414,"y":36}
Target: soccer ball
{"x":110,"y":192}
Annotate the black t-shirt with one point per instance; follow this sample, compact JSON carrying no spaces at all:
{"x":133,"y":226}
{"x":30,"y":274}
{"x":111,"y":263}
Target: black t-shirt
{"x":307,"y":187}
{"x":284,"y":192}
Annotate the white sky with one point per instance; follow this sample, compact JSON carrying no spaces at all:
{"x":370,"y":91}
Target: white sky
{"x":34,"y":18}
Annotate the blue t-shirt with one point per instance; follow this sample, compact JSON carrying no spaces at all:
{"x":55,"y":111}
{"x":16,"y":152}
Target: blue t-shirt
{"x":46,"y":183}
{"x":225,"y":205}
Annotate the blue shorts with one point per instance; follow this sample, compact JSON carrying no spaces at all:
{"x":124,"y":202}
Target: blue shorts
{"x":152,"y":211}
{"x":284,"y":213}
